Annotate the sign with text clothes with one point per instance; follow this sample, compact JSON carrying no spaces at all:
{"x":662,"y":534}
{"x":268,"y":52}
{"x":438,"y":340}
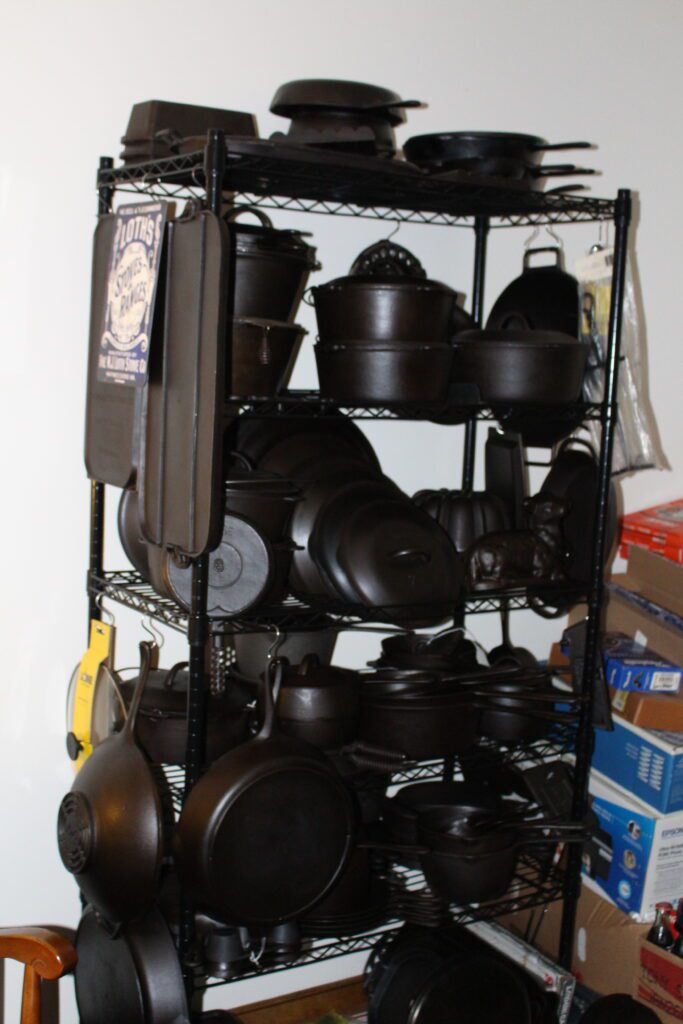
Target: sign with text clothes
{"x":131,"y":292}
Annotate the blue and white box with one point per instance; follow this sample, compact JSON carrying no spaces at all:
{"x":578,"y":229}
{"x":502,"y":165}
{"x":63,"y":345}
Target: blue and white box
{"x":645,"y":763}
{"x":630,"y":665}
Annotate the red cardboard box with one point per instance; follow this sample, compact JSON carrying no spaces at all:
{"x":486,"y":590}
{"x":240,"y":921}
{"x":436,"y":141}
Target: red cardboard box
{"x":659,"y":528}
{"x":659,"y":982}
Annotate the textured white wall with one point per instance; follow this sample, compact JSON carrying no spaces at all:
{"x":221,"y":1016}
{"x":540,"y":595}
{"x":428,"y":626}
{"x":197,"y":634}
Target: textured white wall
{"x":604,"y":70}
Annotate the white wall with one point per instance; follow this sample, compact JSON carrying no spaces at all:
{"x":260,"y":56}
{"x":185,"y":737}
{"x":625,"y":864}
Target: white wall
{"x":606,"y":70}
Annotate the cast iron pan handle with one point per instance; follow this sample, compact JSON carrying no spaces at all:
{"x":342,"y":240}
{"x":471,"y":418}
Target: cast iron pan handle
{"x":385,"y":847}
{"x":147,"y":653}
{"x":235,"y":211}
{"x":559,"y":171}
{"x":546,"y":147}
{"x":309,"y":661}
{"x":554,"y":249}
{"x":366,"y":755}
{"x":172,"y":673}
{"x":269,"y":694}
{"x":410,"y":557}
{"x":515,"y":321}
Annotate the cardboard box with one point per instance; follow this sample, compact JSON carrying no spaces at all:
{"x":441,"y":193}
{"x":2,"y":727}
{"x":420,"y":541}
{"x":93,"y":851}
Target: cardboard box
{"x":606,"y":941}
{"x":631,"y":666}
{"x":635,"y":856}
{"x":657,"y":577}
{"x":659,"y":982}
{"x":663,"y":711}
{"x":659,"y":529}
{"x":644,"y":763}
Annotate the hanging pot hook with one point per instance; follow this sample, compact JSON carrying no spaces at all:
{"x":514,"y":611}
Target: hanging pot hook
{"x":532,"y":237}
{"x":392,"y":234}
{"x":276,"y":644}
{"x":153,"y":631}
{"x":105,"y":611}
{"x":555,"y":237}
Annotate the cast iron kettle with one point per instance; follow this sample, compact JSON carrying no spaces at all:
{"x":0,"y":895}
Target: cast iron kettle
{"x":114,"y":808}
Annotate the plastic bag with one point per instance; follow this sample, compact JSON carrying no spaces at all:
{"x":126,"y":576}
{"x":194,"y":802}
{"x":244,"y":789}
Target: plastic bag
{"x":636,"y":444}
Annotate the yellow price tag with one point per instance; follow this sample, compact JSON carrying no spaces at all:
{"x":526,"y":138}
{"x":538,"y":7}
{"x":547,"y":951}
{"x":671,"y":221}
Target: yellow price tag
{"x":100,"y":652}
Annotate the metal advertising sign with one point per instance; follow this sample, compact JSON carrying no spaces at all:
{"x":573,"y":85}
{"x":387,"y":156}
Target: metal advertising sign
{"x":131,"y":291}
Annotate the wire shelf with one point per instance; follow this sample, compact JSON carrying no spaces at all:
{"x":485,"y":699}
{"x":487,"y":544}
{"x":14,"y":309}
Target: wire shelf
{"x":277,"y":176}
{"x":462,"y":404}
{"x":127,"y":587}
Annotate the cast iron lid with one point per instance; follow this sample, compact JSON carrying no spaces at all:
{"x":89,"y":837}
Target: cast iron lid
{"x":263,"y":239}
{"x":333,"y":93}
{"x":376,"y":283}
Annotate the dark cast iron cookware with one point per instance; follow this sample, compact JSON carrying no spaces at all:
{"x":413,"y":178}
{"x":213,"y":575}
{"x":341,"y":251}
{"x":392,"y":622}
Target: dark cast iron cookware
{"x":319,"y":704}
{"x":388,"y":555}
{"x":543,"y":298}
{"x":357,"y":902}
{"x":130,"y":533}
{"x":618,"y":1009}
{"x":471,"y":801}
{"x":134,"y":977}
{"x":464,"y":515}
{"x":447,"y":651}
{"x":332,"y":93}
{"x":521,"y":366}
{"x":392,"y":309}
{"x":114,"y":807}
{"x":419,"y":726}
{"x":506,"y":654}
{"x":161,"y":724}
{"x":482,"y":988}
{"x":254,"y":437}
{"x":267,"y":830}
{"x":271,"y":267}
{"x":384,"y":374}
{"x":254,"y":650}
{"x":265,"y":499}
{"x":262,"y":358}
{"x":503,"y":154}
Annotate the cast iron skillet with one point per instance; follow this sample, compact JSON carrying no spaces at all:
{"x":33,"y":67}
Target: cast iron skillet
{"x":114,"y":807}
{"x":542,"y":298}
{"x":267,"y":830}
{"x":134,"y":978}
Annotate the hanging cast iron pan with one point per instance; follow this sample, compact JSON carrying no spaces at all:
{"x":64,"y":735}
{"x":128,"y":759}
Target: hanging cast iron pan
{"x":485,"y":152}
{"x":505,"y":472}
{"x":464,"y":515}
{"x":161,"y":725}
{"x":472,"y":990}
{"x":543,"y":298}
{"x":134,"y":977}
{"x":574,"y":478}
{"x":114,"y":808}
{"x":337,"y":94}
{"x":254,"y":437}
{"x":267,"y":831}
{"x":505,"y":653}
{"x":130,"y":534}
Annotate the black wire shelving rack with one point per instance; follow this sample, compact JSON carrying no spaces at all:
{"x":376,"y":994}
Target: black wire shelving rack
{"x":272,"y":176}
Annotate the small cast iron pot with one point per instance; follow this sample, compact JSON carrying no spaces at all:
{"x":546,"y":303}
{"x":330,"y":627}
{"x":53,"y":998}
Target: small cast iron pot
{"x":384,"y":373}
{"x":318,"y":703}
{"x":263,"y":353}
{"x":447,"y":651}
{"x":271,"y":267}
{"x":419,"y":727}
{"x":521,"y":366}
{"x":161,"y":725}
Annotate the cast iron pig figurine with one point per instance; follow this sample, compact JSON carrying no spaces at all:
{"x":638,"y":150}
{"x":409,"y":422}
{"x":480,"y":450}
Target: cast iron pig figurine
{"x":519,"y":557}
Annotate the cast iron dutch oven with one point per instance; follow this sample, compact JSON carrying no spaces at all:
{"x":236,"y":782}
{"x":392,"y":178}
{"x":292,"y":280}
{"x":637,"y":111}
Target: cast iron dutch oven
{"x":319,"y":704}
{"x":133,"y":977}
{"x":517,"y":366}
{"x":384,"y":373}
{"x":271,"y":267}
{"x":114,"y":808}
{"x":267,"y":830}
{"x":161,"y":724}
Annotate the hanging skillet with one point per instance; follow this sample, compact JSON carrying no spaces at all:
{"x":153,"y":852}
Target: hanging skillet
{"x":267,"y":831}
{"x":110,"y":825}
{"x":544,"y":298}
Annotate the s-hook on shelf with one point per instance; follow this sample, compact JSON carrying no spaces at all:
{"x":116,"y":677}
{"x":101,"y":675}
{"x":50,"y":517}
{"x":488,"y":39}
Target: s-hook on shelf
{"x":282,"y":177}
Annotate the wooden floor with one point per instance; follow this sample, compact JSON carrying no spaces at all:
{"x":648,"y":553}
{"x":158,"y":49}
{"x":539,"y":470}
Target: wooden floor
{"x":308,"y":1006}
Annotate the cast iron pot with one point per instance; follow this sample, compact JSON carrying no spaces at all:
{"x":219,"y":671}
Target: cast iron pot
{"x":318,"y":703}
{"x":265,"y":499}
{"x":267,"y":831}
{"x":114,"y":807}
{"x":517,"y":714}
{"x":395,"y":310}
{"x":262,"y":358}
{"x":384,"y":373}
{"x":161,"y":724}
{"x":447,"y":651}
{"x":419,"y":727}
{"x":271,"y":267}
{"x":465,"y":516}
{"x":521,"y":366}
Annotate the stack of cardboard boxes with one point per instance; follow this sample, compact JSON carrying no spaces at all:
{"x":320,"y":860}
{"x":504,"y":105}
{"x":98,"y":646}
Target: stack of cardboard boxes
{"x":635,"y":856}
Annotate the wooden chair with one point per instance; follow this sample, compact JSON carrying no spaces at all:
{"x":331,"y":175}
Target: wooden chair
{"x":45,"y":953}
